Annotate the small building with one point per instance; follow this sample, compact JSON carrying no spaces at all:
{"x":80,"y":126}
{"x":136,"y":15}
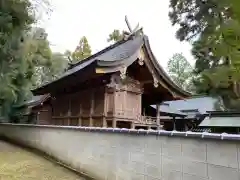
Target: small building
{"x":36,"y":110}
{"x":171,"y":119}
{"x":219,"y":122}
{"x":185,"y":114}
{"x":194,"y":105}
{"x":112,"y":88}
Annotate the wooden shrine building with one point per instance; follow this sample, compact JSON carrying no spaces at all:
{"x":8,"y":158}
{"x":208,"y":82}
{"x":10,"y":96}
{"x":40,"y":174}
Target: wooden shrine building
{"x":112,"y":88}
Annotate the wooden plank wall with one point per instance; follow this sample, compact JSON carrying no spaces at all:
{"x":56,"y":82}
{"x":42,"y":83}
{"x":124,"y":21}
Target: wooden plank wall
{"x":84,"y":108}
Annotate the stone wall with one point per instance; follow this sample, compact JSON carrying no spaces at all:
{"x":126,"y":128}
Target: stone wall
{"x":109,"y":154}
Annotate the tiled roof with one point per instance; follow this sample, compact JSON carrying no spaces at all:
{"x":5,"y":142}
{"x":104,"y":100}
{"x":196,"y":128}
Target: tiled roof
{"x":36,"y":100}
{"x":202,"y":104}
{"x":220,"y":122}
{"x":169,"y":110}
{"x":191,"y":108}
{"x":112,"y":56}
{"x":122,"y":53}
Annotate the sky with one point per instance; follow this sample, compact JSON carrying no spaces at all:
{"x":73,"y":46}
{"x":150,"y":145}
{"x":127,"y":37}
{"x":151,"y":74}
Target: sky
{"x":96,"y":19}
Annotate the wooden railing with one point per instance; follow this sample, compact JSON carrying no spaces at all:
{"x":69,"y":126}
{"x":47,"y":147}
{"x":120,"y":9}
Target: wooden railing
{"x":146,"y":120}
{"x":137,"y":118}
{"x":126,"y":114}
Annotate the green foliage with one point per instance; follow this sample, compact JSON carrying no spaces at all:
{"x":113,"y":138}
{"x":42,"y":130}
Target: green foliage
{"x":25,"y":55}
{"x":197,"y":17}
{"x":15,"y":19}
{"x":180,"y":72}
{"x":45,"y":66}
{"x":59,"y":65}
{"x":115,"y":36}
{"x":82,"y":51}
{"x":213,"y":27}
{"x":47,"y":73}
{"x":37,"y":52}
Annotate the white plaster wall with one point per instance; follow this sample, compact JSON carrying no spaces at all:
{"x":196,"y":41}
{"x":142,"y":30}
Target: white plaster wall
{"x":133,"y":156}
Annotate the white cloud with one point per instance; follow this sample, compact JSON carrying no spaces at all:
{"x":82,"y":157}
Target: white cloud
{"x":97,"y":18}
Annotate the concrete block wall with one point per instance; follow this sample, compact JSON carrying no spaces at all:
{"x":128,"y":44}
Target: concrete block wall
{"x":118,"y":154}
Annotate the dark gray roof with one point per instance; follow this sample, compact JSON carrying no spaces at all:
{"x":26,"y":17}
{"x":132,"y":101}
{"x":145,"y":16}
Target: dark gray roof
{"x":110,"y":59}
{"x":169,"y":110}
{"x":112,"y":56}
{"x":191,"y":107}
{"x":122,"y":53}
{"x":202,"y":104}
{"x":35,"y":100}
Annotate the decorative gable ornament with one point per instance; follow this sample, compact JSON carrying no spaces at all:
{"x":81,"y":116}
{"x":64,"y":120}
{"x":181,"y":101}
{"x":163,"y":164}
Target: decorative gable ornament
{"x":123,"y":72}
{"x":155,"y":81}
{"x":141,"y":57}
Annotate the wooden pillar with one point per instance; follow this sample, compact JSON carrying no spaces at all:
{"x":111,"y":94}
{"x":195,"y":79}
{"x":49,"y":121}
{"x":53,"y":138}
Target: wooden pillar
{"x":105,"y":107}
{"x":174,"y":123}
{"x":114,"y":121}
{"x":185,"y":126}
{"x":124,"y":107}
{"x":114,"y":124}
{"x":38,"y":118}
{"x":68,"y":121}
{"x":132,"y":125}
{"x":104,"y":121}
{"x":69,"y":111}
{"x":158,"y":117}
{"x":79,"y":121}
{"x":92,"y":108}
{"x":80,"y":115}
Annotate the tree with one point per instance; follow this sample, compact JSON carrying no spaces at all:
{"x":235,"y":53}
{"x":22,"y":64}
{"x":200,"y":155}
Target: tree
{"x":213,"y":27}
{"x":115,"y":36}
{"x":59,"y":64}
{"x":15,"y":19}
{"x":180,"y":71}
{"x":23,"y":50}
{"x":37,"y":53}
{"x":45,"y":65}
{"x":82,"y":51}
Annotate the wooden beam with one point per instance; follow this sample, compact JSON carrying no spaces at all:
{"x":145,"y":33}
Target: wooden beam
{"x":80,"y":113}
{"x":114,"y":121}
{"x":158,"y":116}
{"x":147,"y":82}
{"x":105,"y":107}
{"x":69,"y":110}
{"x":92,"y":108}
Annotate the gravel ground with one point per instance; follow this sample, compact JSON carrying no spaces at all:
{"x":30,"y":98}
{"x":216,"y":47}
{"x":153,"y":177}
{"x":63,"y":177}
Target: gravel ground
{"x":19,"y":164}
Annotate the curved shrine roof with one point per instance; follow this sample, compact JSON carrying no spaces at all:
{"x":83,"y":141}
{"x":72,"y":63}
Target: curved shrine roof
{"x":119,"y":55}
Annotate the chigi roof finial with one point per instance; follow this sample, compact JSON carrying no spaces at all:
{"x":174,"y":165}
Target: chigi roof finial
{"x":131,"y":31}
{"x":128,"y":24}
